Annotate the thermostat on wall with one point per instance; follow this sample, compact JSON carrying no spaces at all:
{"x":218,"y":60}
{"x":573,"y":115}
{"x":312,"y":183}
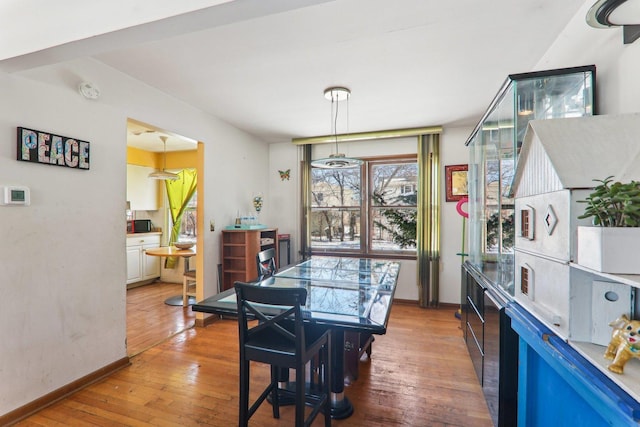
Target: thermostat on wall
{"x":15,"y":195}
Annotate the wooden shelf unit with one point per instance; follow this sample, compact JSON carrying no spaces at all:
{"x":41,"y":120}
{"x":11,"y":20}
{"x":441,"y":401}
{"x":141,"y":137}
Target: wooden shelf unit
{"x":239,"y":250}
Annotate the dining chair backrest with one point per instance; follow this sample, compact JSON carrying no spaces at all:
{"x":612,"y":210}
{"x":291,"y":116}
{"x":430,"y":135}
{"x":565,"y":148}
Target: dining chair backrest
{"x":266,"y":263}
{"x":280,"y":327}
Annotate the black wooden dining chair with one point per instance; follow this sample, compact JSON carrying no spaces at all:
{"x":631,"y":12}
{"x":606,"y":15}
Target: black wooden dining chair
{"x":280,"y":339}
{"x":266,"y":263}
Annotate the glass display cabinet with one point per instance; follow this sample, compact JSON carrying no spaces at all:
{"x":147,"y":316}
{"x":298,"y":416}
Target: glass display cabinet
{"x":494,"y":146}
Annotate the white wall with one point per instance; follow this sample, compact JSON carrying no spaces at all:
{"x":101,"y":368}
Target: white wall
{"x":63,"y":259}
{"x":283,"y":197}
{"x":452,"y":152}
{"x":617,"y":64}
{"x":62,"y":291}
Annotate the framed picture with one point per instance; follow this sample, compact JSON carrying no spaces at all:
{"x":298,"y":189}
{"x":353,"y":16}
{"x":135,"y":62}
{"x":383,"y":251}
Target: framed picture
{"x":456,"y":182}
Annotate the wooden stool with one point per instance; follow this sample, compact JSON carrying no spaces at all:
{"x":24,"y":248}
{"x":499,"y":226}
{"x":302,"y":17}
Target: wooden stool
{"x":188,"y":286}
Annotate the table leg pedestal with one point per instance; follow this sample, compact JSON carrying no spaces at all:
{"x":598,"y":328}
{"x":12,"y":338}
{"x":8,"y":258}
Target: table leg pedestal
{"x":177,"y":300}
{"x":351,"y":359}
{"x":341,"y":407}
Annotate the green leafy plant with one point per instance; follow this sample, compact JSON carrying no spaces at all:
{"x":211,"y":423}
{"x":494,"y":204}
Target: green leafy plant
{"x":493,"y":235}
{"x":402,"y":223}
{"x":613,"y":204}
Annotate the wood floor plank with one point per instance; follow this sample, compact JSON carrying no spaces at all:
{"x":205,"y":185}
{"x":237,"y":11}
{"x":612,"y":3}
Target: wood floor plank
{"x":149,"y":320}
{"x":419,"y":375}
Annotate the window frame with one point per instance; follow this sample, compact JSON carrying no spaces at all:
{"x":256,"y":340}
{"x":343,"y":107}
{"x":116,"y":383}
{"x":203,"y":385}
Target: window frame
{"x":366,"y":213}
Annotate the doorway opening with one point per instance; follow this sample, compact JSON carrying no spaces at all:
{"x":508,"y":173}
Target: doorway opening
{"x":152,"y":314}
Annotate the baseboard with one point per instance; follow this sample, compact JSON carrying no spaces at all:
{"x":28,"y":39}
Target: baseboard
{"x":405,"y":301}
{"x":442,"y":305}
{"x":449,"y":306}
{"x":31,"y":408}
{"x":201,"y":323}
{"x":141,"y":283}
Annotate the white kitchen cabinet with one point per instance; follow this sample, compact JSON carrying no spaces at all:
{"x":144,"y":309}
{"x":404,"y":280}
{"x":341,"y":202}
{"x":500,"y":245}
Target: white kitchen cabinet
{"x":150,"y":264}
{"x":140,"y":266}
{"x":142,"y":192}
{"x":134,"y":268}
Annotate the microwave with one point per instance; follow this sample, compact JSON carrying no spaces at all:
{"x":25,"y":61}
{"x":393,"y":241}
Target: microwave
{"x":139,"y":226}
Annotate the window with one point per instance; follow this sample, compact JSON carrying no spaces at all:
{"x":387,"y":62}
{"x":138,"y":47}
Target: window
{"x":524,"y":223}
{"x":527,"y":222}
{"x":524,"y":280}
{"x":188,"y":222}
{"x":408,"y":189}
{"x":384,"y":222}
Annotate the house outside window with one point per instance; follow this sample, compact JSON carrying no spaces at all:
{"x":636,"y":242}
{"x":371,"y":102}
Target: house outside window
{"x":408,"y":189}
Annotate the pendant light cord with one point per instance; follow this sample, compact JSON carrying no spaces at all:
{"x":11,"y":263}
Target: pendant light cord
{"x":335,"y":122}
{"x":334,"y":119}
{"x":164,"y":157}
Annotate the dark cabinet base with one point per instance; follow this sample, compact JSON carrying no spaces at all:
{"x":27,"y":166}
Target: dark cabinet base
{"x":492,"y":345}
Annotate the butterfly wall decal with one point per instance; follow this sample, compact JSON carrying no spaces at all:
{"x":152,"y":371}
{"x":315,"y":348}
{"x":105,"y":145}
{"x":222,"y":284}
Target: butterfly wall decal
{"x":284,"y":174}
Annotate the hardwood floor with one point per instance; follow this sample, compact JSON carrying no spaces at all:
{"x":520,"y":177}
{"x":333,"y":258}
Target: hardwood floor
{"x":420,"y":374}
{"x":149,"y":320}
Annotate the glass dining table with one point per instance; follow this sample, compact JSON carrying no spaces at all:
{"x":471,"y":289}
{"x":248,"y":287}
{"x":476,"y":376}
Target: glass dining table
{"x":351,"y":296}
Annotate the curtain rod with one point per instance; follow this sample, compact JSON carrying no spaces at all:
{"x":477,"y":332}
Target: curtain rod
{"x":359,"y":136}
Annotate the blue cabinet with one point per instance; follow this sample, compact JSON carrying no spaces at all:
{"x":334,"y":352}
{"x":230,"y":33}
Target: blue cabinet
{"x":559,"y":387}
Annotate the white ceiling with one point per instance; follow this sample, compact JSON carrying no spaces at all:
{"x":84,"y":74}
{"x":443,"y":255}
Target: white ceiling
{"x":262,"y":65}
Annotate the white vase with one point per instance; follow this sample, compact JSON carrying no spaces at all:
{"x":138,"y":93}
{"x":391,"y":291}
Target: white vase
{"x":614,"y":250}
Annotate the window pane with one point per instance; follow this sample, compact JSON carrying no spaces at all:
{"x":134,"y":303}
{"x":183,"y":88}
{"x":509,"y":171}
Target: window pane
{"x":335,"y":187}
{"x":394,"y":229}
{"x":395,"y":184}
{"x":335,"y":229}
{"x":394,"y":202}
{"x":189,"y":220}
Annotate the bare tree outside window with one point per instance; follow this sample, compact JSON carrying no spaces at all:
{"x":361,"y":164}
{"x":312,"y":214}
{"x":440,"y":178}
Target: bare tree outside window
{"x":189,"y":220}
{"x":335,"y":208}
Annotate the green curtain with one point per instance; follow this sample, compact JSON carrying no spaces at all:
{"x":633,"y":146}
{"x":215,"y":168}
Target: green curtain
{"x":305,"y":226}
{"x":428,"y":244}
{"x":179,"y":192}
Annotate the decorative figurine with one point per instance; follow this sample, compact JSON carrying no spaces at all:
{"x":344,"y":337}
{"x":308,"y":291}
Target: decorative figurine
{"x":257,"y":202}
{"x":285,"y":174}
{"x":624,"y":344}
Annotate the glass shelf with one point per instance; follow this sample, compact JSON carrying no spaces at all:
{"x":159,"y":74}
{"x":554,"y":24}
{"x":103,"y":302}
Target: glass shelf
{"x":494,"y":146}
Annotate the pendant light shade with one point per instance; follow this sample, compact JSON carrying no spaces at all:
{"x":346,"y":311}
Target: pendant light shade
{"x":163,"y":174}
{"x":337,"y":160}
{"x":616,"y":13}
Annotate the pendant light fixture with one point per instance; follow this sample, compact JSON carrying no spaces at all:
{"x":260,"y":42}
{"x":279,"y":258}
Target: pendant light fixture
{"x":337,"y":160}
{"x":616,"y":13}
{"x":163,"y":174}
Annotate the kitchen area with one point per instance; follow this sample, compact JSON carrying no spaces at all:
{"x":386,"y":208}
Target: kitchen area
{"x":155,"y":158}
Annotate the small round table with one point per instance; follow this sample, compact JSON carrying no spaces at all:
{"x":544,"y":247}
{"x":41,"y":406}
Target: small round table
{"x":166,"y":251}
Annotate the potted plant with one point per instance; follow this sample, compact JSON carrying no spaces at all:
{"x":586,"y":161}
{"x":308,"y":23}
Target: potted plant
{"x":612,"y":244}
